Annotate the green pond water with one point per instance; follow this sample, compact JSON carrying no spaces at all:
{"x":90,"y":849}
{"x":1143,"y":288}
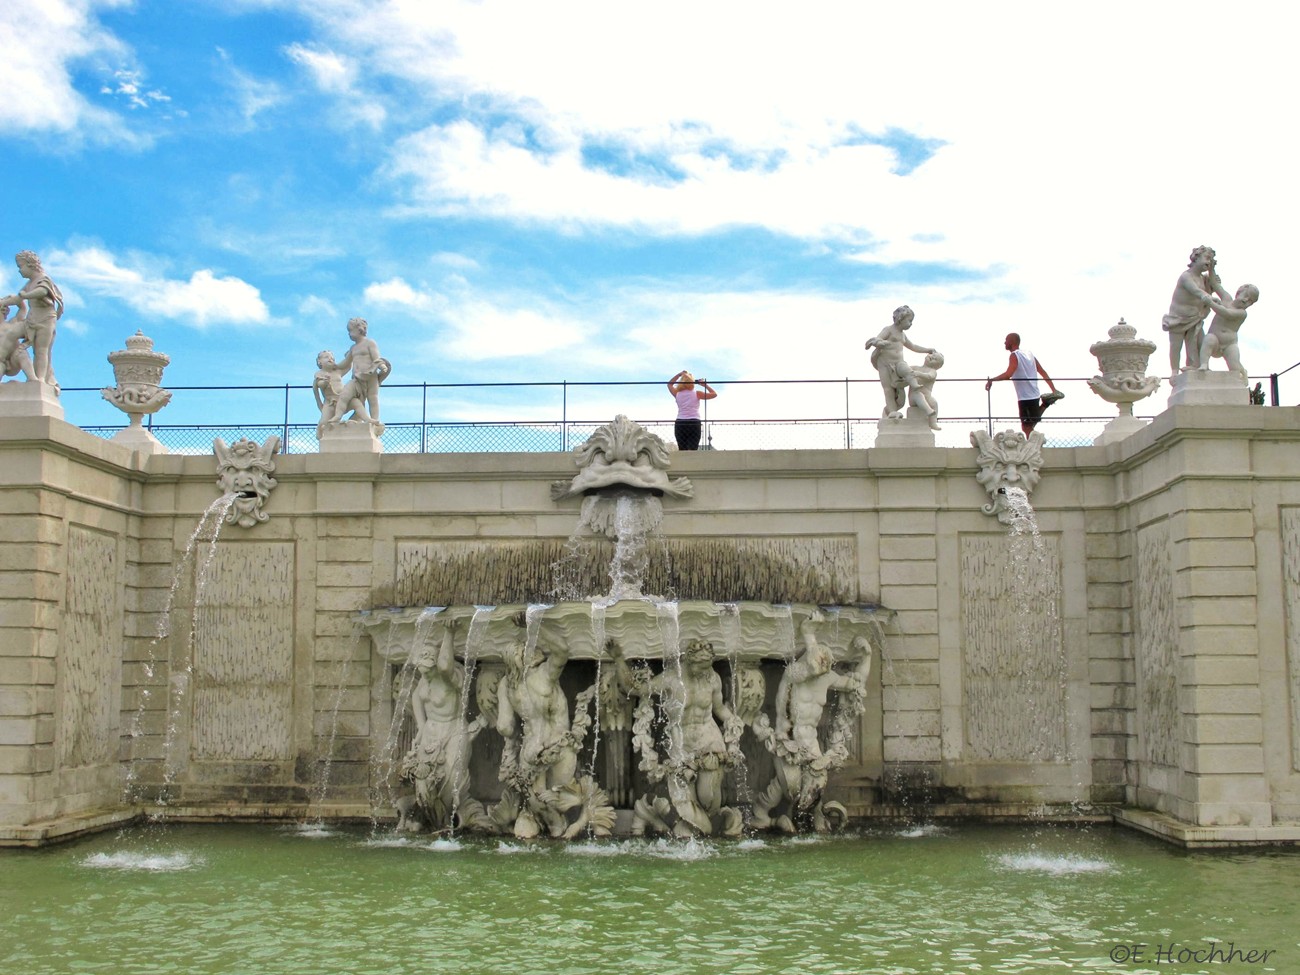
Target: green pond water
{"x":280,"y":901}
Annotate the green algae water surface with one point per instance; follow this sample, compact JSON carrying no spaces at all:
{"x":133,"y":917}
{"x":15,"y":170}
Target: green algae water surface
{"x":959,"y":901}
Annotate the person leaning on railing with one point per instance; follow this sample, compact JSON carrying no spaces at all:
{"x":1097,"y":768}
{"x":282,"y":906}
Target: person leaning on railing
{"x":687,"y":426}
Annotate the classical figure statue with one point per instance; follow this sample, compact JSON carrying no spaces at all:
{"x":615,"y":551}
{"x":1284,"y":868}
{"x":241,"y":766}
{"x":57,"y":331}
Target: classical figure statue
{"x":802,"y":766}
{"x":438,"y":761}
{"x":1188,"y":308}
{"x":898,"y":379}
{"x":40,"y":305}
{"x":541,"y":752}
{"x":1229,"y":314}
{"x":368,"y":371}
{"x":698,"y":750}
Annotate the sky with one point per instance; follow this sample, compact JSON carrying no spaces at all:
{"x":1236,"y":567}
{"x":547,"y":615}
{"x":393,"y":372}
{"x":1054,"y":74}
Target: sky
{"x":612,"y":191}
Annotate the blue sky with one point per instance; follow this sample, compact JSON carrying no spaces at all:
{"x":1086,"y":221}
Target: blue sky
{"x":613,"y":191}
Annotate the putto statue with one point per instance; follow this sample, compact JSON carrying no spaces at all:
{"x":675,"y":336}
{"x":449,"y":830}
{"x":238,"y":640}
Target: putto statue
{"x":40,"y":306}
{"x":1229,"y":314}
{"x":359,"y":395}
{"x":13,"y":345}
{"x":902,"y":384}
{"x":1188,"y":308}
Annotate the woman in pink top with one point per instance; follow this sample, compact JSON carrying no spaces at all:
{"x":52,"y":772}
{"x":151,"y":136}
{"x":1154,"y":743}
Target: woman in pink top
{"x":686,"y":428}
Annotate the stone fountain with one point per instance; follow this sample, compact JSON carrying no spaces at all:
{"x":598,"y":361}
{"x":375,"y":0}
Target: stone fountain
{"x":692,"y":717}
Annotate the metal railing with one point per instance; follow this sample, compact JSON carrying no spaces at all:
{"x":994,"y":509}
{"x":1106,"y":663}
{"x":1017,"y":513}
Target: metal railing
{"x":556,"y":416}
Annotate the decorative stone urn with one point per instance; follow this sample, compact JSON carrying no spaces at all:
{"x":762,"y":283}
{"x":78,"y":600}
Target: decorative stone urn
{"x":1123,"y":380}
{"x":138,"y":370}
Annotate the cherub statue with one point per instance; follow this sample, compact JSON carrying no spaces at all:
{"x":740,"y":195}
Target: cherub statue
{"x":13,"y":344}
{"x":1229,"y":314}
{"x":41,"y":306}
{"x":922,"y":395}
{"x":368,"y":371}
{"x":1188,"y":308}
{"x":897,"y":378}
{"x":328,"y":389}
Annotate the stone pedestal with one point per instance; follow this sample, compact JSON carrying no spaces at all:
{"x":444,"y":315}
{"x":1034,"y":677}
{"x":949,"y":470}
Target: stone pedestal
{"x":29,"y":399}
{"x":1201,"y":387}
{"x":139,"y":439}
{"x":913,"y":430}
{"x":1123,"y":426}
{"x":351,"y":437}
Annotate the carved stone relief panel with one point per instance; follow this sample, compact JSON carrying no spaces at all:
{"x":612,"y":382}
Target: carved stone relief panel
{"x":243,"y":655}
{"x":1014,"y":672}
{"x":1155,"y":648}
{"x":1291,"y":600}
{"x":90,"y":655}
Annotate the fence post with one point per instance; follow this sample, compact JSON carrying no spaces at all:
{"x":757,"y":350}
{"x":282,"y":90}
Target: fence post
{"x":424,"y":418}
{"x":848,"y":427}
{"x":284,"y":441}
{"x":564,"y":415}
{"x":1272,"y":389}
{"x":988,"y":408}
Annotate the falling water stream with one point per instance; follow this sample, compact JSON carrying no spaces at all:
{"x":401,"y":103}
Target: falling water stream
{"x":193,"y":558}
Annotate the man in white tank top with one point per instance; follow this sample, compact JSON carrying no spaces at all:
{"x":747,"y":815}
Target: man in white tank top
{"x":1023,"y":369}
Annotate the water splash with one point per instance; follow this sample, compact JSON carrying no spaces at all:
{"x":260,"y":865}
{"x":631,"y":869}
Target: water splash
{"x":1054,"y":864}
{"x":145,"y":862}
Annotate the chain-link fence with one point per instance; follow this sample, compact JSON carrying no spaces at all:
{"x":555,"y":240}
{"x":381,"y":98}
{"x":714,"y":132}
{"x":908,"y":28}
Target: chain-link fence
{"x":413,"y":438}
{"x":833,"y":414}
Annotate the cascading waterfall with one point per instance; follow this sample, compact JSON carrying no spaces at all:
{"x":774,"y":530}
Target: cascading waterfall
{"x":1034,"y":583}
{"x":460,"y":774}
{"x":208,"y":530}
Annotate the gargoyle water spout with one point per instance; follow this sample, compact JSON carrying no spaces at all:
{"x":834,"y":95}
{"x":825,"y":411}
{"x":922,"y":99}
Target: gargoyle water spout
{"x":1007,"y":460}
{"x":244,"y":469}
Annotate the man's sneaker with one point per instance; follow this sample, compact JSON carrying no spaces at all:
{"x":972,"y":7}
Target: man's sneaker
{"x":1052,"y":397}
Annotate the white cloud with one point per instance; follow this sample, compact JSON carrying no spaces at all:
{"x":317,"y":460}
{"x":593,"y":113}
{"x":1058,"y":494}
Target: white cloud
{"x":205,"y":299}
{"x":129,"y":85}
{"x":43,"y":43}
{"x":337,"y":74}
{"x":316,"y":307}
{"x":397,"y":292}
{"x":1083,"y":153}
{"x":331,"y":71}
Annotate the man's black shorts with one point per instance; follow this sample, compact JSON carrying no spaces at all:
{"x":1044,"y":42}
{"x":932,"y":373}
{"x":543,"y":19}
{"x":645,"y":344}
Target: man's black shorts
{"x":1031,"y":411}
